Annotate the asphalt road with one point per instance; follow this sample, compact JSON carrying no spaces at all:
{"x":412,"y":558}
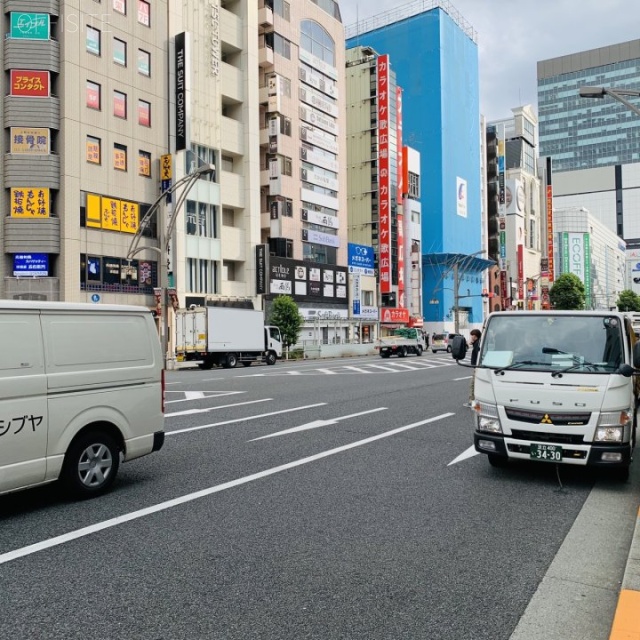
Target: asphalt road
{"x":325,"y":500}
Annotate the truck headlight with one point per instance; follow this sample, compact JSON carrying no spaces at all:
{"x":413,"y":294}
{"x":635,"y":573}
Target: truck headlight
{"x":486,"y":416}
{"x":609,"y":434}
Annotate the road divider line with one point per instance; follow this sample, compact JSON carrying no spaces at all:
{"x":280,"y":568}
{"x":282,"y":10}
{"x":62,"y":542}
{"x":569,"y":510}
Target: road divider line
{"x":262,"y":415}
{"x":190,"y":497}
{"x":189,"y":412}
{"x":465,"y":378}
{"x":465,"y":455}
{"x":319,"y":423}
{"x":201,"y":395}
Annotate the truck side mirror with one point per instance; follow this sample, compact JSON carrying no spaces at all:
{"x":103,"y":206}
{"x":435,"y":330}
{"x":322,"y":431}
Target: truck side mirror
{"x":459,"y":347}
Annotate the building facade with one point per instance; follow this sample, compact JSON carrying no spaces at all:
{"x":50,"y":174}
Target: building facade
{"x":85,"y":118}
{"x":441,"y":121}
{"x":582,"y":133}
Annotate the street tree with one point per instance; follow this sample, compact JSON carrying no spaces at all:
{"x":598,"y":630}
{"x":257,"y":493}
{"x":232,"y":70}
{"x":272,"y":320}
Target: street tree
{"x":628,"y":301}
{"x":285,"y":316}
{"x":567,"y":292}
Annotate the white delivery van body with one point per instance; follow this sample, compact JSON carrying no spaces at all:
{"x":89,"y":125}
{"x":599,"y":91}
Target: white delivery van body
{"x":81,"y":385}
{"x":557,"y":386}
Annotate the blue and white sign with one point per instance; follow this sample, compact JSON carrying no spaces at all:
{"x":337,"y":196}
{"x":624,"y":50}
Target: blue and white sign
{"x":361,"y":259}
{"x":35,"y":265}
{"x":95,"y":298}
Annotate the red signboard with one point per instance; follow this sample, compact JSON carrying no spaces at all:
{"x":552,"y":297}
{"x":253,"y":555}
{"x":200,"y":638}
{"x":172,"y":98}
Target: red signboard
{"x":520,"y":272}
{"x":503,"y":290}
{"x":25,"y":82}
{"x":396,"y":315}
{"x":550,"y":230}
{"x":384,"y":177}
{"x":401,"y":189}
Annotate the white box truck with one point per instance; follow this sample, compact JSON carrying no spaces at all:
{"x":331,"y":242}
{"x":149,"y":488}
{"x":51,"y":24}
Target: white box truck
{"x":557,"y":386}
{"x":81,"y":389}
{"x":225,"y":336}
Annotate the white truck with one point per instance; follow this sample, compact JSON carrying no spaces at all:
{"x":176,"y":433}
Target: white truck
{"x":557,"y":386}
{"x":225,"y":336}
{"x":401,"y":343}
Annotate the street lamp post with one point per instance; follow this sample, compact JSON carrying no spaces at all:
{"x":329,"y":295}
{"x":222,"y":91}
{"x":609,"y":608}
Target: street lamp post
{"x":164,"y":238}
{"x":616,"y":94}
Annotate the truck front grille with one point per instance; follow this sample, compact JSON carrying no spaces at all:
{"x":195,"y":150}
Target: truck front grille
{"x":551,"y":438}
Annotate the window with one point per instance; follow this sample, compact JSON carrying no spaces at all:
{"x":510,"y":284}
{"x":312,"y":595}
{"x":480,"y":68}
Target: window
{"x":100,"y":273}
{"x":120,"y":52}
{"x":201,"y":219}
{"x":144,"y":13}
{"x":227,"y":163}
{"x":414,"y":186}
{"x":120,"y":105}
{"x":202,"y":276}
{"x":93,"y":40}
{"x":144,"y":164}
{"x":120,"y":6}
{"x":144,"y":62}
{"x":317,"y":41}
{"x":367,"y":298}
{"x":280,"y":45}
{"x":230,"y":271}
{"x":144,"y":113}
{"x":93,"y":150}
{"x":119,"y":157}
{"x":228,"y":218}
{"x":93,"y":95}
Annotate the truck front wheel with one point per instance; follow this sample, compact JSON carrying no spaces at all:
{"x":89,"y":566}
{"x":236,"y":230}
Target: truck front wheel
{"x":419,"y":350}
{"x":271,"y":358}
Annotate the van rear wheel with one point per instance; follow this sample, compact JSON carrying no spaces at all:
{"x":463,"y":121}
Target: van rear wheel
{"x":90,"y":465}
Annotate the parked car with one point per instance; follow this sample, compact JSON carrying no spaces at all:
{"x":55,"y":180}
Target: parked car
{"x":442,"y":342}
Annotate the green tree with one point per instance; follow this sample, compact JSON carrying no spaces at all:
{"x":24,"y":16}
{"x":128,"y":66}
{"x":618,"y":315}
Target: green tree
{"x":285,"y":316}
{"x":628,"y":301}
{"x":567,"y":292}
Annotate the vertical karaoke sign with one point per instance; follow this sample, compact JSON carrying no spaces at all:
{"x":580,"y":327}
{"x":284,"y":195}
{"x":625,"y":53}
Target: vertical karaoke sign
{"x":384,"y":178}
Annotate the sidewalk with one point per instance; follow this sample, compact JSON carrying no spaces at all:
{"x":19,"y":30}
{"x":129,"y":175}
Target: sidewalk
{"x":626,"y":623}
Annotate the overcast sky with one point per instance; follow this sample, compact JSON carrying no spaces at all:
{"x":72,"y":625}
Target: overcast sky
{"x":513,"y":35}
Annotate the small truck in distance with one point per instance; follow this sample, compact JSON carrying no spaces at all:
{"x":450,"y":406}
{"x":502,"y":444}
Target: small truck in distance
{"x":401,"y":343}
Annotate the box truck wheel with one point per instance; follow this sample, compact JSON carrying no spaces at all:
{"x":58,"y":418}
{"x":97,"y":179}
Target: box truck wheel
{"x":231,"y":361}
{"x":403,"y":352}
{"x":91,"y":464}
{"x":271,"y":358}
{"x":418,"y":350}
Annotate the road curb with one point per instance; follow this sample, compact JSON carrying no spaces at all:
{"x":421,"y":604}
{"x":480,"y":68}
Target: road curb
{"x":626,"y":621}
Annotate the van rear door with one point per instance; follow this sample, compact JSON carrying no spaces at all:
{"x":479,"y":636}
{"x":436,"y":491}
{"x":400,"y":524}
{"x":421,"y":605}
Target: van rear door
{"x":23,"y":400}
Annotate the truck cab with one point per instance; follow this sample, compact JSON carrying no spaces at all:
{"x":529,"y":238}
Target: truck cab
{"x":557,"y":386}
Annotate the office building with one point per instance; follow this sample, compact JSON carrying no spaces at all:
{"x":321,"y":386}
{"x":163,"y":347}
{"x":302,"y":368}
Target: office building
{"x":441,"y":121}
{"x":583,"y":133}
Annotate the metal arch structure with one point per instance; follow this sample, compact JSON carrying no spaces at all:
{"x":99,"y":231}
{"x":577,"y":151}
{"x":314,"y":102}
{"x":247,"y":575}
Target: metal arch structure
{"x":189,"y":180}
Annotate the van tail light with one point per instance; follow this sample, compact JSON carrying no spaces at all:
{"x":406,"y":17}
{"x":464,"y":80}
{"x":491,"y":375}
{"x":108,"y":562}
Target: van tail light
{"x":163,"y":387}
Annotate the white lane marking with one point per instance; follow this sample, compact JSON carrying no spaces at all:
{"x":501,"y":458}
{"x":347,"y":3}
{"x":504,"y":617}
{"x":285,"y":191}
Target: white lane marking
{"x":465,"y":378}
{"x":404,"y":366}
{"x":252,"y":375}
{"x":168,"y":383}
{"x":469,"y":453}
{"x":357,"y":369}
{"x":294,"y":373}
{"x":190,"y":497}
{"x":200,"y":395}
{"x":189,"y":412}
{"x":329,"y":372}
{"x":262,"y":415}
{"x":381,"y":366}
{"x":319,"y":423}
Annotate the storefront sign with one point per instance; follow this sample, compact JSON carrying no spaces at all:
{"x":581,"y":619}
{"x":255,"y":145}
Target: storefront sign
{"x":261,"y":269}
{"x":384,"y":175}
{"x":361,"y":259}
{"x":308,"y":281}
{"x":30,"y":140}
{"x":29,"y":26}
{"x":31,"y":264}
{"x":181,"y":89}
{"x":25,"y":82}
{"x":29,"y":202}
{"x":398,"y":315}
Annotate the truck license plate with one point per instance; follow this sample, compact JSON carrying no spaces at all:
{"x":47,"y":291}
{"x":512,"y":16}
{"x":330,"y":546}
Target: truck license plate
{"x":548,"y":452}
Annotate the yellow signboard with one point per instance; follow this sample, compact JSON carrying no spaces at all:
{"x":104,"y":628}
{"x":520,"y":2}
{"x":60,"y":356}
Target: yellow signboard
{"x":93,"y":211}
{"x":30,"y":140}
{"x":129,"y":219}
{"x":29,"y":202}
{"x":111,"y":214}
{"x":166,"y":167}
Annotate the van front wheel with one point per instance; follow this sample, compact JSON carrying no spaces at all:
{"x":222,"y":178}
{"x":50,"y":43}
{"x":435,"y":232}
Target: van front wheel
{"x":91,"y":465}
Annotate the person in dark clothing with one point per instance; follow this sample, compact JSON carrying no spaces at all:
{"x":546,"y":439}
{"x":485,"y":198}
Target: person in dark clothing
{"x":475,"y":345}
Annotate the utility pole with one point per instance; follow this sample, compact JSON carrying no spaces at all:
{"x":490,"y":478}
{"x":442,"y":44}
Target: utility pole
{"x":456,"y":298}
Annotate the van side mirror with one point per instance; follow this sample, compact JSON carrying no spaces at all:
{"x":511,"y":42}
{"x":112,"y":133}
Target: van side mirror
{"x":625,"y":370}
{"x":459,"y":347}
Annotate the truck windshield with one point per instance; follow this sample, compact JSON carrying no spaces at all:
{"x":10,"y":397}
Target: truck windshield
{"x":583,"y":344}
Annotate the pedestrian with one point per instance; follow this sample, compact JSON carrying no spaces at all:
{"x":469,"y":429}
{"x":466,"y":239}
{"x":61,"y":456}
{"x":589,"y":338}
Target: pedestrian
{"x":475,"y":350}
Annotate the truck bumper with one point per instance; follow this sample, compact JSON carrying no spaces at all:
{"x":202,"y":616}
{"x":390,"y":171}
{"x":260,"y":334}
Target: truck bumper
{"x":596,"y":455}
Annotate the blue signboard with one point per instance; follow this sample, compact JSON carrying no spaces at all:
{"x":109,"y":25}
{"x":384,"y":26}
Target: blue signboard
{"x":31,"y":264}
{"x":361,"y":259}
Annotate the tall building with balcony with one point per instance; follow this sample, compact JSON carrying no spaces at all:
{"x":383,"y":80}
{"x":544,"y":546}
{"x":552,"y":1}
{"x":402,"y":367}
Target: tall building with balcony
{"x":434,"y":53}
{"x":303,"y":160}
{"x":85,"y":121}
{"x":515,"y":219}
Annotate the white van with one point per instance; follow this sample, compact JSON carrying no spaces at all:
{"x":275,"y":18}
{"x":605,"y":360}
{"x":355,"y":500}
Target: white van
{"x":81,"y":385}
{"x":557,"y":386}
